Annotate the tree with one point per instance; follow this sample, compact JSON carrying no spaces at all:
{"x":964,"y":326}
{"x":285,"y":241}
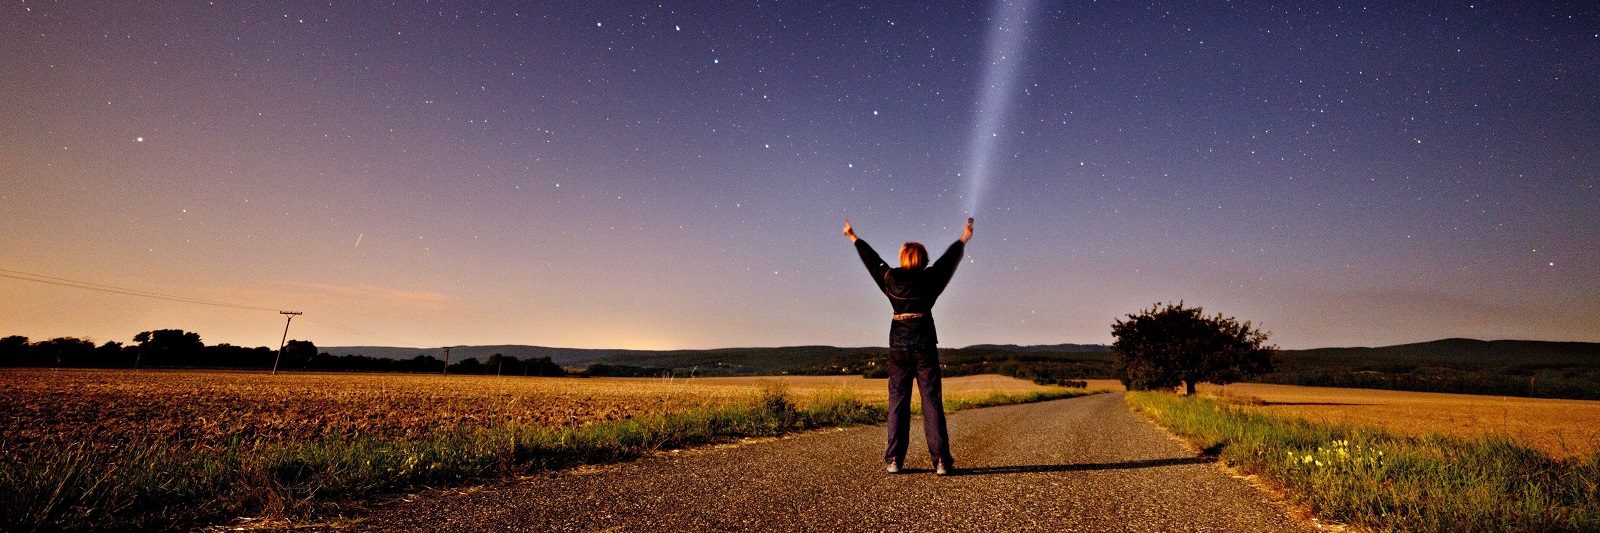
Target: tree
{"x":543,"y":367}
{"x":468,"y":366}
{"x":298,"y":352}
{"x":422,"y":363}
{"x":1168,"y":345}
{"x":64,"y":351}
{"x":108,"y":355}
{"x":16,"y":351}
{"x":503,"y":365}
{"x":168,"y":347}
{"x":229,"y":356}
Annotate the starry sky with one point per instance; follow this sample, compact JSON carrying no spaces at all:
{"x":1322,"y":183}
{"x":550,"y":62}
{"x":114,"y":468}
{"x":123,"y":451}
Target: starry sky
{"x":676,"y":174}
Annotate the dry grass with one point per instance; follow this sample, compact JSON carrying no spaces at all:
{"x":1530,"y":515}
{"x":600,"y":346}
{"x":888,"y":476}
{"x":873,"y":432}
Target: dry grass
{"x":1562,"y":428}
{"x":209,"y":408}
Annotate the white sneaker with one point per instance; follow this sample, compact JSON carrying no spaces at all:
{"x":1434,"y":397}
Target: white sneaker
{"x":892,"y":467}
{"x":940,"y":470}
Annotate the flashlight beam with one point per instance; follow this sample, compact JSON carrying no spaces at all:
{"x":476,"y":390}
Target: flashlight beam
{"x":1007,"y":35}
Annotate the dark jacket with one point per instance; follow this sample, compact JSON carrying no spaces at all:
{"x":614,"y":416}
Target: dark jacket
{"x":912,"y":291}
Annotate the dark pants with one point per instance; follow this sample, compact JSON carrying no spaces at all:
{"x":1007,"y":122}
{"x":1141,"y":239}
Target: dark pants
{"x":923,"y":364}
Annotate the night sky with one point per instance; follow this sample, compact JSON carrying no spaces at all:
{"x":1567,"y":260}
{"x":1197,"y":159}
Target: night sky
{"x":675,"y":175}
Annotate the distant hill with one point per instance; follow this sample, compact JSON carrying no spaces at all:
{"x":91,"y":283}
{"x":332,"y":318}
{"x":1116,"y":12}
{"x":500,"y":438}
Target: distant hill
{"x":1461,"y":354}
{"x":715,"y":361}
{"x":1510,"y":368}
{"x":732,"y":361}
{"x":560,"y":356}
{"x":1054,"y":348}
{"x":1434,"y":358}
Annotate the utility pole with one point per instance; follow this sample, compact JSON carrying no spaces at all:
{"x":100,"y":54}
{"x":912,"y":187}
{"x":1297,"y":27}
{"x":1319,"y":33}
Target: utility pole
{"x":446,"y":360}
{"x":288,"y":317}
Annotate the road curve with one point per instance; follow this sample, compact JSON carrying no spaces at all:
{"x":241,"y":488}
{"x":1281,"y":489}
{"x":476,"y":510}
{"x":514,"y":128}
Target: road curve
{"x":1082,"y":464}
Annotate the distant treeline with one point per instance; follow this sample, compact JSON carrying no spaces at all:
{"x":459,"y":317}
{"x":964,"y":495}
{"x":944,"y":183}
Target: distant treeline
{"x":1045,"y":368}
{"x":175,"y":348}
{"x":1536,"y":369}
{"x":1507,"y":368}
{"x":1568,"y":384}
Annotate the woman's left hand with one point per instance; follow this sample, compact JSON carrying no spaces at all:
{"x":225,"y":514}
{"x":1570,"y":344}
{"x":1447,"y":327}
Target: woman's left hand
{"x":964,"y":235}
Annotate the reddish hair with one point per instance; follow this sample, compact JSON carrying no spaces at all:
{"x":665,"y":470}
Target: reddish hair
{"x":913,"y":255}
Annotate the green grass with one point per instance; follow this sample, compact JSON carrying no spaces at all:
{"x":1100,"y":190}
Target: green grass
{"x":1386,"y":482}
{"x":1000,"y":398}
{"x":159,"y":484}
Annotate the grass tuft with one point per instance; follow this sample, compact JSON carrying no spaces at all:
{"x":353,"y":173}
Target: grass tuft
{"x":1386,"y":482}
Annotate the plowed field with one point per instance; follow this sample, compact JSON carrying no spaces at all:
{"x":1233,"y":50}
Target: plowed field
{"x":207,"y":408}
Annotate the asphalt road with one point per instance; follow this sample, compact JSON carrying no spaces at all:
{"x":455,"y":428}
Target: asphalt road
{"x":1083,"y":464}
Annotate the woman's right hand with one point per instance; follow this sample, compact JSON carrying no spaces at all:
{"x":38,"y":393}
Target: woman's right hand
{"x":964,"y":235}
{"x":849,"y":231}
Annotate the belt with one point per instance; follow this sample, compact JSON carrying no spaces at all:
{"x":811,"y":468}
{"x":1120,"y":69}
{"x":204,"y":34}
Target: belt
{"x":908,"y":316}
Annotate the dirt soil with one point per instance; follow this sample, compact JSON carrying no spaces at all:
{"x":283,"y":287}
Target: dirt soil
{"x":215,"y":407}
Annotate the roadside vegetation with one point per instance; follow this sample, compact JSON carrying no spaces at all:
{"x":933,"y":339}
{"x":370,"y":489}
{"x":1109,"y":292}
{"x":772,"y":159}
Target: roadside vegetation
{"x":232,"y":445}
{"x":1387,"y":482}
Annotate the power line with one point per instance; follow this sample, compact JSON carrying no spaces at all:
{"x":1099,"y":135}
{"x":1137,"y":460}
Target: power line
{"x":64,"y":282}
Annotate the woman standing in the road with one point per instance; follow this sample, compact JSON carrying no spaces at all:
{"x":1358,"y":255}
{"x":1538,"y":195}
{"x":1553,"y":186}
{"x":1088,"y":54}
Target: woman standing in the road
{"x":913,"y":344}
